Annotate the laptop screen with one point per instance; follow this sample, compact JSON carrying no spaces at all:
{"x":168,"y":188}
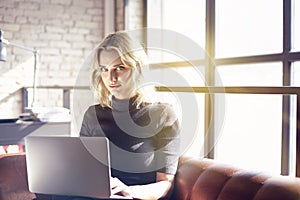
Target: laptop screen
{"x":64,"y":165}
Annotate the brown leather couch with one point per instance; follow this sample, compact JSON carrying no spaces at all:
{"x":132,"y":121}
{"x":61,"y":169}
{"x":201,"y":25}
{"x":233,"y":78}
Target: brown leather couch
{"x":195,"y":180}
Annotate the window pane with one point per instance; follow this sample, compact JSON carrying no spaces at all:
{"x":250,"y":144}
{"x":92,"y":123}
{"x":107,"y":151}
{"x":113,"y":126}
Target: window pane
{"x":251,"y":134}
{"x":296,"y":74}
{"x":296,"y":25}
{"x":252,"y":121}
{"x":248,"y":27}
{"x":295,"y":81}
{"x":190,"y":21}
{"x":187,"y":105}
{"x":184,"y":17}
{"x":267,"y":74}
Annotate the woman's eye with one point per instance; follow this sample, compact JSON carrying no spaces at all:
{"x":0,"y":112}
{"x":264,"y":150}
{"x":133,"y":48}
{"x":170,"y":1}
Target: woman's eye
{"x":103,"y":69}
{"x":119,"y":68}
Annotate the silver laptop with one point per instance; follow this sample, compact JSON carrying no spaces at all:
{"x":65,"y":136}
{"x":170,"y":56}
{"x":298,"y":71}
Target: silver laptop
{"x":64,"y":165}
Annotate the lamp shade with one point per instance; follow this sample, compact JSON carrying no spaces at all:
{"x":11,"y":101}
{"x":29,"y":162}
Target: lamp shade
{"x":3,"y":53}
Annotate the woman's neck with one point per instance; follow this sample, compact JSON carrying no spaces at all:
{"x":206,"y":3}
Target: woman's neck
{"x":123,"y":104}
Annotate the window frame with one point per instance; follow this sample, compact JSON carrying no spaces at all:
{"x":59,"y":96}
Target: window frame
{"x":287,"y":57}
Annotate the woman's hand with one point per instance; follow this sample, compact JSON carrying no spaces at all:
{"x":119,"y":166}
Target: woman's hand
{"x":119,"y":188}
{"x":152,"y":191}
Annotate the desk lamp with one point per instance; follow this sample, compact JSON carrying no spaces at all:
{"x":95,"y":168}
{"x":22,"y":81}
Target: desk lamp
{"x":3,"y":56}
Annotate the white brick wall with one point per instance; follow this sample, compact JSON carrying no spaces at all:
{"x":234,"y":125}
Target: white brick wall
{"x":64,"y":32}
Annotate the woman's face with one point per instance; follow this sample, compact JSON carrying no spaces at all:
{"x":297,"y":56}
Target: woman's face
{"x":116,"y":76}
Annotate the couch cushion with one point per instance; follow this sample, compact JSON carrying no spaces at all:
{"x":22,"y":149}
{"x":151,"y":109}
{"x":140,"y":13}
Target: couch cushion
{"x":13,"y":178}
{"x":279,"y":188}
{"x":211,"y":180}
{"x":188,"y":172}
{"x":243,"y":185}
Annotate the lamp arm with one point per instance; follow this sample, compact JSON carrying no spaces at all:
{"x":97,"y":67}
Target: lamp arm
{"x":19,"y":46}
{"x":34,"y":78}
{"x":34,"y":51}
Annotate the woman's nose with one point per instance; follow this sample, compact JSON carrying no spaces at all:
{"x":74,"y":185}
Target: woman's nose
{"x":113,"y":75}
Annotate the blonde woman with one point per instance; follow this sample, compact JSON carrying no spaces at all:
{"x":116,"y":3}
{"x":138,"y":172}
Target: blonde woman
{"x":143,"y":135}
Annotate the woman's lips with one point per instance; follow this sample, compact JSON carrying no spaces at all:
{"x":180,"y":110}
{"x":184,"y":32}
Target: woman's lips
{"x":114,"y":86}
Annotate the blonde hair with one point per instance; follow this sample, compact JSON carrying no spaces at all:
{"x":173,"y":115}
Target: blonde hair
{"x":131,"y":54}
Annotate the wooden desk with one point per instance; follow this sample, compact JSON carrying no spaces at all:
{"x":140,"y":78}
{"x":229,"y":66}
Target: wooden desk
{"x":14,"y":133}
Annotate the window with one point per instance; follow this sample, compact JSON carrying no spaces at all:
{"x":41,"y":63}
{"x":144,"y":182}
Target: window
{"x":179,"y":16}
{"x":251,"y":133}
{"x":248,"y":27}
{"x":296,"y":74}
{"x":182,"y":33}
{"x":263,"y":74}
{"x":248,"y":43}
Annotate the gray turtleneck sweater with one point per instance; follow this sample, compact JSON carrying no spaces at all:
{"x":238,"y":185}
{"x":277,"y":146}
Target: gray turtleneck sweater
{"x":143,"y":140}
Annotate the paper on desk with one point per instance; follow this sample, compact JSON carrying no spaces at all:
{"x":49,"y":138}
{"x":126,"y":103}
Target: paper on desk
{"x":51,"y":114}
